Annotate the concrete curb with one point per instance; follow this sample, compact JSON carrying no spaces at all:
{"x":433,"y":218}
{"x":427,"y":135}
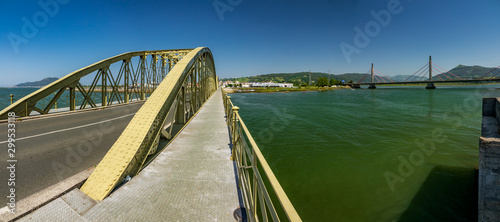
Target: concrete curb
{"x":39,"y":199}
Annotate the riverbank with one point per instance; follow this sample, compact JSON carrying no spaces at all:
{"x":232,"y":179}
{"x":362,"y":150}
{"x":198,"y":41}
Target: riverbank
{"x":282,"y":90}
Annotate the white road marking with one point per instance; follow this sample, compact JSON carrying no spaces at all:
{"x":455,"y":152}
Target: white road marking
{"x":72,"y":128}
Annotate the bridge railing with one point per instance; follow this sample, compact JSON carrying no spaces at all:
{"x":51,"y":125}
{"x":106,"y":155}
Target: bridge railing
{"x":263,"y":196}
{"x":6,"y":101}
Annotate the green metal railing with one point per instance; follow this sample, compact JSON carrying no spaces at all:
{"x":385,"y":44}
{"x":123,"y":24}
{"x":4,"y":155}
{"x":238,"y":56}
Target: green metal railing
{"x":263,"y":196}
{"x":4,"y":102}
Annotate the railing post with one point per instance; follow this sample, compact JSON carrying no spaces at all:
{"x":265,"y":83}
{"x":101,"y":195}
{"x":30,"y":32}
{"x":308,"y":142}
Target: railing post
{"x":72,"y":97}
{"x":234,"y":130}
{"x":55,"y":104}
{"x":228,"y":117}
{"x":11,"y":99}
{"x":224,"y":99}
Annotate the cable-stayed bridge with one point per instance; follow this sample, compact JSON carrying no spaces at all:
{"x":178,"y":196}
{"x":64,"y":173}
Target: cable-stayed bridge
{"x":429,"y":74}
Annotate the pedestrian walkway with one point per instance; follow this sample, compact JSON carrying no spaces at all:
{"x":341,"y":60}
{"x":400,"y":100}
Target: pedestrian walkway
{"x":192,"y":179}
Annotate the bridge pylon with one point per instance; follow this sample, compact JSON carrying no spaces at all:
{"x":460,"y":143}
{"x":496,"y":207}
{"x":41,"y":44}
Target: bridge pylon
{"x":430,"y":85}
{"x":372,"y":84}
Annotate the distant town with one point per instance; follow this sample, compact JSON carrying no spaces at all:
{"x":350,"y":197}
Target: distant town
{"x":255,"y":84}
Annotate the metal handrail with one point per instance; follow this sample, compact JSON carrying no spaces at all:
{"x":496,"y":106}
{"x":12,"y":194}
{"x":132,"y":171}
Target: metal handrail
{"x":264,"y":198}
{"x":6,"y":101}
{"x":3,"y":104}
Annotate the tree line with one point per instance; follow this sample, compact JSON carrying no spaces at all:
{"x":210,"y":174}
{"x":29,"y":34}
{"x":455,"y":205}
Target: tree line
{"x":323,"y":81}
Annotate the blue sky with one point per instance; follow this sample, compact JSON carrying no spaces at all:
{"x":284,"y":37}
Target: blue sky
{"x":253,"y":37}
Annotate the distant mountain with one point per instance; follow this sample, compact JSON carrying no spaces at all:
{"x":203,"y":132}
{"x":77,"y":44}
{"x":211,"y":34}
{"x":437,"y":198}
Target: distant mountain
{"x":469,"y":72}
{"x":40,"y":83}
{"x":462,"y":71}
{"x":399,"y":78}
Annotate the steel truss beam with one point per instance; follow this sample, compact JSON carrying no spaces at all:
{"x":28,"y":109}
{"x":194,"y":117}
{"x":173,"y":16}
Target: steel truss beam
{"x":130,"y":83}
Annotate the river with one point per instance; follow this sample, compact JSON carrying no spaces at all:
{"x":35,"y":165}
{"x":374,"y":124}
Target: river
{"x":389,"y":154}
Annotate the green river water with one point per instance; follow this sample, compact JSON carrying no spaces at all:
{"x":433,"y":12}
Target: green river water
{"x":389,"y":154}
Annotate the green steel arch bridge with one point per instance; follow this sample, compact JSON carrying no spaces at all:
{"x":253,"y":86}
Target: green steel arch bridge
{"x":177,"y":86}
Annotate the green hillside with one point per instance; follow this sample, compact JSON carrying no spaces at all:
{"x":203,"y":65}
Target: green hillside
{"x":469,"y":72}
{"x":298,"y":78}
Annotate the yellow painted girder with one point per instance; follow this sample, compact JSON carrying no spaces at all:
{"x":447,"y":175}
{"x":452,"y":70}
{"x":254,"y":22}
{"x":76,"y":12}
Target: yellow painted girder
{"x":130,"y":150}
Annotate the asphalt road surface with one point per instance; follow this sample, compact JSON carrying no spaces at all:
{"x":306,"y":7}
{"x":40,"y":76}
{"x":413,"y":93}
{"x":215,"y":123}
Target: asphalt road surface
{"x":51,"y":149}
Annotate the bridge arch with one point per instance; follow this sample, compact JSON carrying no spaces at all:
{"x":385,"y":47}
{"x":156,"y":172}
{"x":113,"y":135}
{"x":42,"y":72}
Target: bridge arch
{"x":181,"y":93}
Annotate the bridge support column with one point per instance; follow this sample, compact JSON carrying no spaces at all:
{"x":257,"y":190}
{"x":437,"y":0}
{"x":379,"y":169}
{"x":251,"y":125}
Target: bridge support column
{"x":104,"y":96}
{"x":372,"y":77}
{"x":372,"y":86}
{"x":180,"y":114}
{"x":126,"y":73}
{"x":430,"y":86}
{"x":143,"y":71}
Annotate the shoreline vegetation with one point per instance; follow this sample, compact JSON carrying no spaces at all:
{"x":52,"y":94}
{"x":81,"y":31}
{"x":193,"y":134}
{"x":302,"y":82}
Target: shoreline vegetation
{"x":282,"y":89}
{"x":317,"y":88}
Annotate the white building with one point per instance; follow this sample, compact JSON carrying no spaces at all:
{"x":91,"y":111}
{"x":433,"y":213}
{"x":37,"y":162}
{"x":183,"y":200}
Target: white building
{"x":270,"y":84}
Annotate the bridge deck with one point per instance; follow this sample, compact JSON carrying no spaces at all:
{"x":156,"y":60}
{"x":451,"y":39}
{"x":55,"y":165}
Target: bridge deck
{"x":193,"y":179}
